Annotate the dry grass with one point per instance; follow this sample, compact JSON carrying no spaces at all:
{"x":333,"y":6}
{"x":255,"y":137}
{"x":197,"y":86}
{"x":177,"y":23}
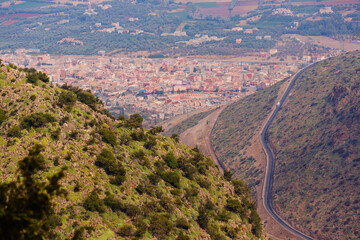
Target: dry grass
{"x":329,"y":42}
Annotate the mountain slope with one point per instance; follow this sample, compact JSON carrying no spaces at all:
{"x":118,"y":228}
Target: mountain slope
{"x":122,"y":181}
{"x":315,"y":138}
{"x":233,"y":133}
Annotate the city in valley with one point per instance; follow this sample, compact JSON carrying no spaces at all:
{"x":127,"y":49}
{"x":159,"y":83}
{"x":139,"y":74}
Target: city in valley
{"x":158,"y":88}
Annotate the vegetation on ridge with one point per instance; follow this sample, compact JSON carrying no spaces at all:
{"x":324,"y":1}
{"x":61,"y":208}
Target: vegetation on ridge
{"x":122,"y":181}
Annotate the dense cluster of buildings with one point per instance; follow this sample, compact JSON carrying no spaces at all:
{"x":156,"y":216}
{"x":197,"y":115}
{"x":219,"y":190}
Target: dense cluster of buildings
{"x":157,"y":88}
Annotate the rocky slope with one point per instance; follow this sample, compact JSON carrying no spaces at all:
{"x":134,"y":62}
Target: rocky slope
{"x":121,"y":181}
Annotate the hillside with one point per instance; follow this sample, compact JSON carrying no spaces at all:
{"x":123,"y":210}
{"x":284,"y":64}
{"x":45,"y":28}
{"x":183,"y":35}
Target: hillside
{"x":234,"y":132}
{"x":188,"y":123}
{"x":121,"y":181}
{"x":315,"y":138}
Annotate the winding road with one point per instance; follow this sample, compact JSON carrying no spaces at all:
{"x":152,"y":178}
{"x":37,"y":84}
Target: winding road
{"x":270,"y":162}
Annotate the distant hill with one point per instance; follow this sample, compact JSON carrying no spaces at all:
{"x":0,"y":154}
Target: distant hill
{"x":315,"y":138}
{"x":121,"y":181}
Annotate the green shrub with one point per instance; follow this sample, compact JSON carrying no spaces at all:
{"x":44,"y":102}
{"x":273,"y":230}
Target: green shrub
{"x":119,"y":178}
{"x":37,"y":120}
{"x":64,"y":120}
{"x":203,"y":183}
{"x":160,"y":225}
{"x":136,"y":120}
{"x":175,"y":137}
{"x":171,"y":160}
{"x":67,"y":98}
{"x":108,"y":114}
{"x":188,"y":169}
{"x":150,"y":143}
{"x":33,"y":77}
{"x":228,"y":175}
{"x":14,"y":131}
{"x":113,"y":203}
{"x":255,"y":221}
{"x":153,"y":178}
{"x":203,"y":217}
{"x":167,"y":204}
{"x":88,"y":98}
{"x":55,"y":135}
{"x":131,"y":210}
{"x":140,"y":154}
{"x":85,"y":97}
{"x":108,"y":136}
{"x":33,"y":97}
{"x":182,"y":223}
{"x":110,"y":164}
{"x":126,"y":231}
{"x":94,"y":203}
{"x":138,"y":135}
{"x":234,"y":205}
{"x":240,"y":187}
{"x":224,"y":216}
{"x":2,"y":116}
{"x":74,"y":134}
{"x":182,"y":236}
{"x":155,"y":130}
{"x":172,"y":178}
{"x":191,"y":192}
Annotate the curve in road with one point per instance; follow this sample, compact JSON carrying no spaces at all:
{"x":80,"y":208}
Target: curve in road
{"x":270,"y":162}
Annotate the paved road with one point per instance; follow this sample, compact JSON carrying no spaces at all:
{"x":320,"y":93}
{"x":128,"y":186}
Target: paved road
{"x":266,"y":193}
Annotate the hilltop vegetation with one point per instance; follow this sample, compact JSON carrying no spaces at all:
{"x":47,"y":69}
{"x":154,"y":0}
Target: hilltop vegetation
{"x":103,"y":178}
{"x":316,"y":138}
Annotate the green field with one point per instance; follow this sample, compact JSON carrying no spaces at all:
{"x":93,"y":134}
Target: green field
{"x":29,"y":5}
{"x":181,"y":15}
{"x":207,"y":5}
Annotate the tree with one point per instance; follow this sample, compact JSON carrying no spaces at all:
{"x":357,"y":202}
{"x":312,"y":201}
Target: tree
{"x":26,"y":204}
{"x":136,"y":120}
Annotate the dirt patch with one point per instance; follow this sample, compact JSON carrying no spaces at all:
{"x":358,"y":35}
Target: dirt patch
{"x":199,"y":135}
{"x":347,"y":45}
{"x":345,"y":13}
{"x":20,"y":15}
{"x":314,"y":19}
{"x":241,"y":8}
{"x":8,"y":22}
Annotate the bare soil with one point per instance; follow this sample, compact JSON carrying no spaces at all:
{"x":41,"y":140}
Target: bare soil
{"x":347,"y":45}
{"x":199,"y":135}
